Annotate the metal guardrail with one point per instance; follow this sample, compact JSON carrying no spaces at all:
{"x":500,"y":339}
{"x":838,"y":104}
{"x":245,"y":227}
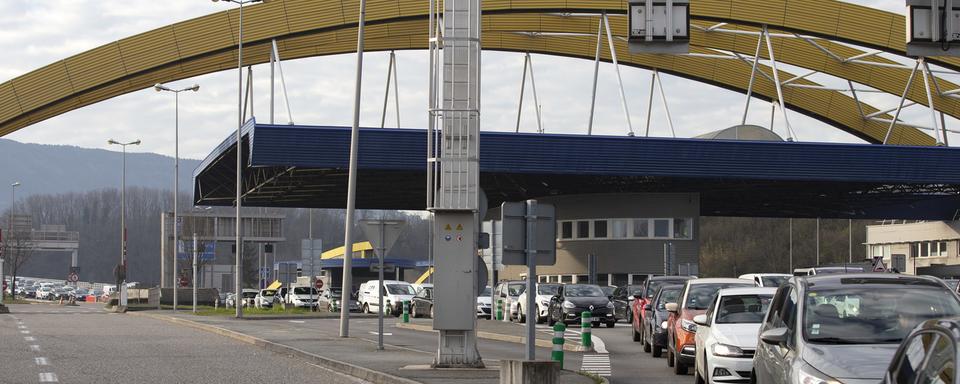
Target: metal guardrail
{"x":54,"y":236}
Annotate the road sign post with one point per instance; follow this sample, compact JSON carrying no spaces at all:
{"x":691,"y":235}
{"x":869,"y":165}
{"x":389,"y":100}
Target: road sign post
{"x":530,"y":238}
{"x":195,"y":251}
{"x":382,"y":234}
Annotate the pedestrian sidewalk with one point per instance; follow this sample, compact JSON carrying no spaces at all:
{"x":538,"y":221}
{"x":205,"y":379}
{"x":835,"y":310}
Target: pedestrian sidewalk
{"x":351,"y":356}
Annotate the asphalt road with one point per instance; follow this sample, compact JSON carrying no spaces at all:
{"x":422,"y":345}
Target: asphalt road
{"x":628,"y":362}
{"x":84,"y":344}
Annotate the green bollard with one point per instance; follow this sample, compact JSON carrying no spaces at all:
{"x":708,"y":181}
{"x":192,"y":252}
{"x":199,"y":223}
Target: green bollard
{"x":585,"y":340}
{"x":499,"y":310}
{"x":558,"y":340}
{"x":406,"y":311}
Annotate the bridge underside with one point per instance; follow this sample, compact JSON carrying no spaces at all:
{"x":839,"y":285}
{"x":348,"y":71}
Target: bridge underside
{"x":303,"y":166}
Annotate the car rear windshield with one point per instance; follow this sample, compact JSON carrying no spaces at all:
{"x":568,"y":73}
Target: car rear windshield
{"x":549,"y":290}
{"x":773,"y":281}
{"x":872,"y":314}
{"x":635,"y":290}
{"x":401,"y":289}
{"x":516,"y":289}
{"x":742,"y":309}
{"x":574,"y":290}
{"x":249,"y":295}
{"x":701,"y":295}
{"x":654,"y":285}
{"x":668,"y":296}
{"x":486,"y":292}
{"x":268,"y":292}
{"x":306,"y":291}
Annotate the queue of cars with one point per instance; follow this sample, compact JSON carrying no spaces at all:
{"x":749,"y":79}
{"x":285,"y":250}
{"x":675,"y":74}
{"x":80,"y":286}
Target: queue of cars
{"x":823,"y":327}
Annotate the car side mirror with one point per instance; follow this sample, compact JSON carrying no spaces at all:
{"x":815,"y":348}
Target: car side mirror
{"x":632,"y":297}
{"x":701,"y":320}
{"x":648,"y":307}
{"x":776,"y":336}
{"x":672,"y":307}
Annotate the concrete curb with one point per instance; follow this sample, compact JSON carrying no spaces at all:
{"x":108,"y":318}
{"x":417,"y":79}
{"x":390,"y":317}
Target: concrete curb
{"x":499,"y":337}
{"x":362,"y":373}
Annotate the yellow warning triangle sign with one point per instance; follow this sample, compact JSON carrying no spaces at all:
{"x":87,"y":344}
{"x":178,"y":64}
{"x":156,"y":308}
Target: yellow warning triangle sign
{"x":459,"y":227}
{"x":448,"y":228}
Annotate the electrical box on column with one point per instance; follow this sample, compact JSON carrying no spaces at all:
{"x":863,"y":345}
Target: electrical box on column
{"x":659,"y":26}
{"x":933,"y":28}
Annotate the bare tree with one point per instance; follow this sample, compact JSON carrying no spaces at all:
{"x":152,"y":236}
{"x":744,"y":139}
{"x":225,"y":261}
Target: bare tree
{"x":18,"y":249}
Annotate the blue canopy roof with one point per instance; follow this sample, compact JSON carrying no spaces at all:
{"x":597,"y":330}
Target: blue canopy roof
{"x":305,"y":166}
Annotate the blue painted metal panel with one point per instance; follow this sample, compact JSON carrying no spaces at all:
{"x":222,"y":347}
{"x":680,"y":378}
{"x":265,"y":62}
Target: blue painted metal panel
{"x":501,"y":152}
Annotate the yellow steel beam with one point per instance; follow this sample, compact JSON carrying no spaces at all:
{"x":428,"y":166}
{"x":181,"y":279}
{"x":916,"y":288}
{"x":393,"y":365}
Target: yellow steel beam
{"x":307,"y":28}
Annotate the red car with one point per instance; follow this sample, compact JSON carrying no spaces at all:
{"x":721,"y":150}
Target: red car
{"x":696,"y":296}
{"x":650,"y":289}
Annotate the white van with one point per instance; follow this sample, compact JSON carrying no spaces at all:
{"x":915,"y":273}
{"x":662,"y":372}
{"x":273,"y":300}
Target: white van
{"x":767,"y":279}
{"x":394,"y":294}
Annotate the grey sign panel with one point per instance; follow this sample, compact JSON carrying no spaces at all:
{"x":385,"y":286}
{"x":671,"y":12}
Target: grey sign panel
{"x":382,"y":241}
{"x":513,"y":241}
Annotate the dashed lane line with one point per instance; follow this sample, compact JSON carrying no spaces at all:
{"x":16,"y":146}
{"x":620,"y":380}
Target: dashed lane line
{"x":35,"y":348}
{"x":29,"y":338}
{"x":48,"y":377}
{"x":41,"y":361}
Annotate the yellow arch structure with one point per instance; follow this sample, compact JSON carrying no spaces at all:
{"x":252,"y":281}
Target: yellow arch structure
{"x":305,"y":28}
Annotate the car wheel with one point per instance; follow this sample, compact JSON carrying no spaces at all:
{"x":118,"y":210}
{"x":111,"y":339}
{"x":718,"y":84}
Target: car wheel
{"x":630,"y":317}
{"x":636,"y":335}
{"x":656,"y":351}
{"x":697,"y":379}
{"x":611,"y":324}
{"x":670,"y":360}
{"x":431,"y":312}
{"x":550,"y":320}
{"x":647,"y":344}
{"x":678,"y":367}
{"x":595,"y":324}
{"x":366,"y":308}
{"x":413,"y":311}
{"x":520,"y":317}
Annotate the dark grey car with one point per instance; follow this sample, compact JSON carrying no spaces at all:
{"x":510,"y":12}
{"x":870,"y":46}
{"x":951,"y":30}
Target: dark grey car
{"x":844,"y":327}
{"x":928,"y":355}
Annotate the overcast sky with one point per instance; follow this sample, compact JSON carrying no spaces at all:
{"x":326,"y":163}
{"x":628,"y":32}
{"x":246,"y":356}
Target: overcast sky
{"x":35,"y":33}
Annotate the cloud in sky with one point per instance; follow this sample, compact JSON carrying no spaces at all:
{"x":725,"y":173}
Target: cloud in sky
{"x":35,"y":33}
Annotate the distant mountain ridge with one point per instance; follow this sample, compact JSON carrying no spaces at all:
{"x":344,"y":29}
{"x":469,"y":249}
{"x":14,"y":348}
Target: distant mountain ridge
{"x":54,"y":169}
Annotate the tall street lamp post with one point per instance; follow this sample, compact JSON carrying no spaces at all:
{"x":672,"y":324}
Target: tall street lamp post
{"x":13,"y":284}
{"x":239,"y":240}
{"x":176,"y":179}
{"x":122,"y":280}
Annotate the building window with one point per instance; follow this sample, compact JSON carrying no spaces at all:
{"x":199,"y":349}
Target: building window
{"x":683,"y":228}
{"x":583,"y":229}
{"x":600,"y":229}
{"x":566,"y":230}
{"x":566,"y":279}
{"x":661,"y":228}
{"x":641,"y":228}
{"x":619,"y":228}
{"x":930,"y":248}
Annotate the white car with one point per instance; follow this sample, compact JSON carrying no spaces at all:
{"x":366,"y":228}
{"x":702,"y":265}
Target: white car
{"x":545,"y":292}
{"x":727,"y":335}
{"x":44,"y":293}
{"x":484,"y":308}
{"x":264,"y":298}
{"x":394,"y":294}
{"x":772,"y":280}
{"x":508,"y":292}
{"x":303,"y":297}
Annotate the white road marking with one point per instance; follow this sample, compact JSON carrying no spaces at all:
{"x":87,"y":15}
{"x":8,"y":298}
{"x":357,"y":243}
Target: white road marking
{"x":297,"y":321}
{"x":41,"y":360}
{"x":25,"y":332}
{"x":35,"y":348}
{"x":596,"y":364}
{"x":48,"y":377}
{"x":22,"y":326}
{"x":29,"y":338}
{"x":385,"y":333}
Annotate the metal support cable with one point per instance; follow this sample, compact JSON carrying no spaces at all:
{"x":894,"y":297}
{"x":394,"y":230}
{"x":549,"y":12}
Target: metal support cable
{"x":616,"y":65}
{"x":536,"y":99}
{"x":523,"y":84}
{"x":932,"y":107}
{"x":283,"y":85}
{"x":776,"y":81}
{"x":596,"y":72}
{"x":753,"y":75}
{"x":663,"y":99}
{"x":896,"y":115}
{"x":653,"y":84}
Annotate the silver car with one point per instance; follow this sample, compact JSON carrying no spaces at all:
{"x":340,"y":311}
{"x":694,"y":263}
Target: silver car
{"x":844,"y":328}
